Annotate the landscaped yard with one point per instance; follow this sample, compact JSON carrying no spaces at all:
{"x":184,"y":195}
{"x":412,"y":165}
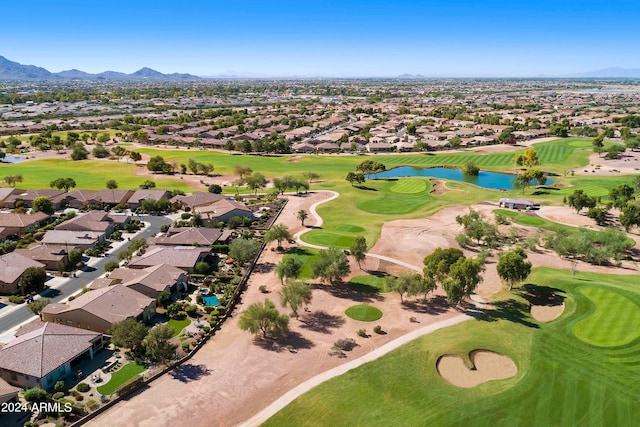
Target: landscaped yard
{"x":561,"y":379}
{"x":178,"y":325}
{"x":121,"y":376}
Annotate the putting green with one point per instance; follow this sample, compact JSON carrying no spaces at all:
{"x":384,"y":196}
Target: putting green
{"x":409,"y":186}
{"x":349,"y":228}
{"x":614,"y":322}
{"x":364,"y":313}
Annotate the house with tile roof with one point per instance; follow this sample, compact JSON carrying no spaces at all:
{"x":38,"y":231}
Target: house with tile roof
{"x":12,"y":267}
{"x":46,"y":354}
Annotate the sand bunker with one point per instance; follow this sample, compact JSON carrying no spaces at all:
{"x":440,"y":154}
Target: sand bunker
{"x":488,"y":366}
{"x":547,"y":313}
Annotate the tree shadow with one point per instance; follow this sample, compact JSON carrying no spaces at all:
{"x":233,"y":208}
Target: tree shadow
{"x":436,"y":305}
{"x":321,"y":321}
{"x":511,"y":310}
{"x":343,"y":291}
{"x":542,"y":295}
{"x":362,"y":187}
{"x":264,"y":267}
{"x":189,"y":372}
{"x":293,"y":342}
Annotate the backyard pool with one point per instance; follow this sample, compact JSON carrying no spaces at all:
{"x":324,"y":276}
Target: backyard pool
{"x":493,"y":180}
{"x":11,"y":159}
{"x":210,"y":300}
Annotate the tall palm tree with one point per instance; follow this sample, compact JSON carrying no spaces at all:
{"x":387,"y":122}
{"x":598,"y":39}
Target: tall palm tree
{"x":302,"y":215}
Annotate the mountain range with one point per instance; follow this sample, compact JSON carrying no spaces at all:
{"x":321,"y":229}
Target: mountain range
{"x":10,"y":70}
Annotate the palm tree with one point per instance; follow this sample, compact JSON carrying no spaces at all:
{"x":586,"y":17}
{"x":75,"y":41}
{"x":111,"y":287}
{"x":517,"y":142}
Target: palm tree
{"x":302,"y":215}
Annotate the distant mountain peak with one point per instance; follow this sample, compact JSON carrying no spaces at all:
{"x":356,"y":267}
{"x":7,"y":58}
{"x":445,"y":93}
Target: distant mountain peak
{"x":10,"y":70}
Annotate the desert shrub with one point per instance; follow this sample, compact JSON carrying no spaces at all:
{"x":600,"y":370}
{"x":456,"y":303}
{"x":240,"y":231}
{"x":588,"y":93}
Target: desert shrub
{"x":377,"y":329}
{"x":362,"y":333}
{"x":263,"y":289}
{"x":463,"y":240}
{"x":83,"y":387}
{"x":79,"y":397}
{"x":16,"y":299}
{"x":345,"y":344}
{"x":185,"y":346}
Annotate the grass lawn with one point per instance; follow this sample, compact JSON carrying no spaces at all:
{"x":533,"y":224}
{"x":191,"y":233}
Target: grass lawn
{"x":178,"y":325}
{"x":367,"y":283}
{"x":364,"y":313}
{"x":410,"y":186}
{"x":121,"y":376}
{"x":306,"y":255}
{"x":561,"y":379}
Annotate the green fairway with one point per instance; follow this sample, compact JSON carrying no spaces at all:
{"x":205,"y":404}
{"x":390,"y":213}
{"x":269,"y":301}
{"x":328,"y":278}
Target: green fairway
{"x":306,"y":255}
{"x":367,"y":283}
{"x":349,"y":228}
{"x":330,"y":239}
{"x":364,"y":313}
{"x":615,"y":321}
{"x":409,"y":186}
{"x":390,"y":202}
{"x":561,"y":380}
{"x":121,"y":376}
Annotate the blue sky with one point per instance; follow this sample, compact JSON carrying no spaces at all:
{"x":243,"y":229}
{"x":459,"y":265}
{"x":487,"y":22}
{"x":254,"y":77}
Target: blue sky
{"x":324,"y":38}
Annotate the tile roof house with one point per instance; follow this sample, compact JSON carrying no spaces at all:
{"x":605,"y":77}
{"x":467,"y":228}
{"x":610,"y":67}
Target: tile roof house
{"x":6,"y":192}
{"x":183,"y":257}
{"x":49,"y":255}
{"x":12,"y":266}
{"x":188,"y":236}
{"x":77,"y":199}
{"x":114,"y":197}
{"x":27,"y":197}
{"x":98,"y":310}
{"x":139,"y":196}
{"x":148,"y":281}
{"x":224,"y":209}
{"x":199,"y":198}
{"x":8,"y":393}
{"x":73,"y":239}
{"x":14,"y":224}
{"x":95,"y":221}
{"x":44,"y":355}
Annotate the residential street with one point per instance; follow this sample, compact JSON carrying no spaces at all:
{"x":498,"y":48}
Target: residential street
{"x":11,"y":316}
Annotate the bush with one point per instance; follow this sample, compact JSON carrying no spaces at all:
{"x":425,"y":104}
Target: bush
{"x":35,"y":395}
{"x":191,"y":310}
{"x":111,"y":265}
{"x":57,"y":395}
{"x":263,"y":289}
{"x":463,"y":240}
{"x":16,"y":299}
{"x":362,"y":333}
{"x":185,"y":215}
{"x":202,"y":267}
{"x":185,"y":346}
{"x":59,"y":387}
{"x":346,"y":344}
{"x":79,"y":397}
{"x":83,"y":387}
{"x":209,"y":309}
{"x":378,"y":329}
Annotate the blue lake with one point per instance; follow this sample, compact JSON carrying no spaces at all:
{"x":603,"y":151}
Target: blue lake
{"x":11,"y":159}
{"x":493,"y":180}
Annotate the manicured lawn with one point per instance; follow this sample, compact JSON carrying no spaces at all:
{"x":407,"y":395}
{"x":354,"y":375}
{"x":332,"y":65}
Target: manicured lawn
{"x":306,"y":255}
{"x":615,"y":320}
{"x":349,"y":228}
{"x":121,"y":376}
{"x":410,"y":186}
{"x":561,"y":380}
{"x":178,"y":325}
{"x":364,"y":313}
{"x":367,"y":283}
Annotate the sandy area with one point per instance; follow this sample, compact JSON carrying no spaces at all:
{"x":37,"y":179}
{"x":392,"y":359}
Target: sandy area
{"x":547,"y":313}
{"x":627,"y":164}
{"x":233,"y":377}
{"x":488,"y":366}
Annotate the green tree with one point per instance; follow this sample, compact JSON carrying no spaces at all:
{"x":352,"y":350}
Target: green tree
{"x":264,"y":317}
{"x":358,"y":249}
{"x":36,"y":394}
{"x":598,"y":143}
{"x":193,"y":166}
{"x":128,"y":333}
{"x":242,"y":171}
{"x":295,"y":294}
{"x":256,"y":182}
{"x":164,"y":299}
{"x":369,"y":167}
{"x":289,"y":268}
{"x":355,"y":178}
{"x":111,"y":265}
{"x":464,"y":277}
{"x":513,"y":266}
{"x":244,"y":250}
{"x":278,"y":232}
{"x":157,"y":344}
{"x":119,"y":152}
{"x":100,"y":151}
{"x":135,"y":156}
{"x":302,"y":215}
{"x":524,"y":179}
{"x":79,"y":152}
{"x":37,"y":306}
{"x":621,"y":195}
{"x":439,"y":262}
{"x":158,"y":164}
{"x":215,"y":189}
{"x":63,"y":183}
{"x":148,"y":184}
{"x":470,"y":168}
{"x":12,"y":180}
{"x":112,"y":184}
{"x":43,"y":204}
{"x":528,"y":158}
{"x":579,"y":200}
{"x":75,"y":257}
{"x":32,"y":280}
{"x":330,"y":265}
{"x":506,"y":137}
{"x":630,"y":216}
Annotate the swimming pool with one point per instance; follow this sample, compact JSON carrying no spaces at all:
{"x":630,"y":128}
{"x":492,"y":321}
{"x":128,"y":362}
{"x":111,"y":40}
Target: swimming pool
{"x":210,"y":300}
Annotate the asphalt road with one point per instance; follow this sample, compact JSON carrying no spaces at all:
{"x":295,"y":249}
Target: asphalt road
{"x":22,"y":314}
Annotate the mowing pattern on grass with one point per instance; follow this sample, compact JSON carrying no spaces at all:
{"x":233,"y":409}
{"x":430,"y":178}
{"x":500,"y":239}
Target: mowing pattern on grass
{"x":614,"y":322}
{"x":396,"y":203}
{"x":409,"y":186}
{"x":330,"y":239}
{"x":592,"y":190}
{"x":367,"y":283}
{"x":364,"y":313}
{"x":120,"y":377}
{"x":350,"y":228}
{"x":560,"y":381}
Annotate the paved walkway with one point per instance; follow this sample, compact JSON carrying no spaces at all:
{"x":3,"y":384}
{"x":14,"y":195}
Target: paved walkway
{"x":299,"y":390}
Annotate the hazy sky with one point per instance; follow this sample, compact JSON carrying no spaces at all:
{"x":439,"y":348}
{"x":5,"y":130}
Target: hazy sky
{"x":324,"y":38}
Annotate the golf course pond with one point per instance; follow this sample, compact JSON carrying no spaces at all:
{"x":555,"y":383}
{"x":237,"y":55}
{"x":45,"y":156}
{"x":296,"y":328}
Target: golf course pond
{"x":493,"y":180}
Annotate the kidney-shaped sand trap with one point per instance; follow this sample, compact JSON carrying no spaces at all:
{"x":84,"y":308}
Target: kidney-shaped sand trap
{"x":488,"y":366}
{"x":547,"y":313}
